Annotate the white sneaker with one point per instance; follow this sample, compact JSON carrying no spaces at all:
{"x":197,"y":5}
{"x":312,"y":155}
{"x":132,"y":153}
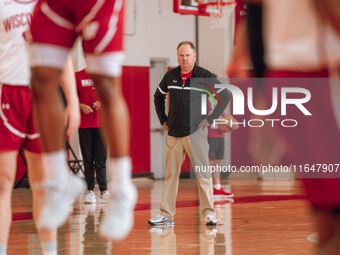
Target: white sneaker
{"x":160,"y":220}
{"x":57,"y":200}
{"x":104,"y":197}
{"x":210,"y":220}
{"x":118,"y":222}
{"x":90,"y":197}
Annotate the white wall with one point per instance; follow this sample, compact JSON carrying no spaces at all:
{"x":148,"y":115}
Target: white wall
{"x":157,"y":33}
{"x":77,"y":54}
{"x":215,"y":45}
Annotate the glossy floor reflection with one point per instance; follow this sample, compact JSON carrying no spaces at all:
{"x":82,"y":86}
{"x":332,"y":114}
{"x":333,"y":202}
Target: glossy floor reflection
{"x":266,"y":217}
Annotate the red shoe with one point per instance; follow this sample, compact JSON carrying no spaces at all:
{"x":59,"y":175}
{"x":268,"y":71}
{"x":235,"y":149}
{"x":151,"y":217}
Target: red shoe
{"x":222,"y":194}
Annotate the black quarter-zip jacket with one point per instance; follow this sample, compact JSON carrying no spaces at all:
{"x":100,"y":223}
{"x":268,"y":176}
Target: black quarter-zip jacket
{"x":184,"y":114}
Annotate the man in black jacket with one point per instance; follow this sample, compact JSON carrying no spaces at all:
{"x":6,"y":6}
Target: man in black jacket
{"x":186,"y":124}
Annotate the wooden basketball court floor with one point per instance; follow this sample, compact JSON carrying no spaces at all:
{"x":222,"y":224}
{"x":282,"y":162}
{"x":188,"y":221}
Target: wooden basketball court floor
{"x":266,"y":217}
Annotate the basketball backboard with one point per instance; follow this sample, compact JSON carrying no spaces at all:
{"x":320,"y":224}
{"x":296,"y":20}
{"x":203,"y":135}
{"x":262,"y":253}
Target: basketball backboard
{"x":192,"y":6}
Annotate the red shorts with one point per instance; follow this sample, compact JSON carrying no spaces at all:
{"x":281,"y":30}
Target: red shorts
{"x":17,"y":125}
{"x":99,"y":22}
{"x":59,"y":23}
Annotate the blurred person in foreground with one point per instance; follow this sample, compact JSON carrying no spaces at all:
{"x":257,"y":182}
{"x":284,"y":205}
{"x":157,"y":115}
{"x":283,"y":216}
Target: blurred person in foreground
{"x":297,"y":39}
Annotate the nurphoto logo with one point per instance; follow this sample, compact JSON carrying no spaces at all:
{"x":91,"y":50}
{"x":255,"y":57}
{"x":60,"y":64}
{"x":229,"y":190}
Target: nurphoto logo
{"x":240,"y":101}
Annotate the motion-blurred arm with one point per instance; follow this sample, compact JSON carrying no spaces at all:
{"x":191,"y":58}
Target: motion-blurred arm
{"x":68,"y":83}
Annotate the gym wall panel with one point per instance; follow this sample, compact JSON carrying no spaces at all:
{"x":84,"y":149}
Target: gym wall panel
{"x":135,"y":80}
{"x":153,"y":30}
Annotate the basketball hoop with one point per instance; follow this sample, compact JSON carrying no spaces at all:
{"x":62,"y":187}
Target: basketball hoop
{"x":219,"y":12}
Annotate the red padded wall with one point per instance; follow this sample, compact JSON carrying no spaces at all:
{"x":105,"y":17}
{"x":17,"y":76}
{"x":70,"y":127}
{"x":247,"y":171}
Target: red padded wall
{"x":135,"y":82}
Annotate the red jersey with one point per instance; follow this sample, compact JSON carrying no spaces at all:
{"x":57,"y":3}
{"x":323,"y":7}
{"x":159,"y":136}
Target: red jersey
{"x":15,"y":18}
{"x":100,"y":23}
{"x":87,"y":95}
{"x":185,"y":76}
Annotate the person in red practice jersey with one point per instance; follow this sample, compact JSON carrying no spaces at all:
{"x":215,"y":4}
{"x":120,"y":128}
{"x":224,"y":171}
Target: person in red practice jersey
{"x":92,"y":146}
